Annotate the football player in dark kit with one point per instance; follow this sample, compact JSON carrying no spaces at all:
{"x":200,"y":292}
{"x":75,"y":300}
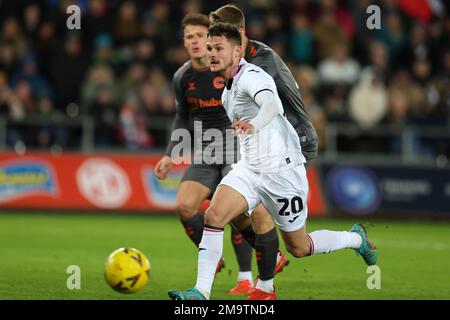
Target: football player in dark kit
{"x":198,"y":97}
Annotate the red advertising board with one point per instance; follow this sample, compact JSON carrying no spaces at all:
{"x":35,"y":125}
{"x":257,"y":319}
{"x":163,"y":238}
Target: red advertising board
{"x":98,"y":181}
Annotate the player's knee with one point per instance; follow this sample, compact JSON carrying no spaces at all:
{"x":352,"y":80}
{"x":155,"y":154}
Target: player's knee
{"x":184,"y":210}
{"x":215,"y":217}
{"x":298,"y":251}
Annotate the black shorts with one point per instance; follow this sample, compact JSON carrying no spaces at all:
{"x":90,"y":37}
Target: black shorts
{"x":208,"y":175}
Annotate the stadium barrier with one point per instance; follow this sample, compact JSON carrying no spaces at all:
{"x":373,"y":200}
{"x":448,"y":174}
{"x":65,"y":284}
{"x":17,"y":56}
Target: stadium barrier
{"x":126,"y":182}
{"x":100,"y":182}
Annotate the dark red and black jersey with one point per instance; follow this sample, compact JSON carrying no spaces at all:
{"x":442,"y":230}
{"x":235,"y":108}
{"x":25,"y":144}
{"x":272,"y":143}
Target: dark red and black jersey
{"x":198,"y":95}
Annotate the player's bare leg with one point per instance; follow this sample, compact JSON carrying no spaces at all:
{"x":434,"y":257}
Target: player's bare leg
{"x":226,"y":204}
{"x":189,"y":198}
{"x":301,"y":244}
{"x":297,"y":242}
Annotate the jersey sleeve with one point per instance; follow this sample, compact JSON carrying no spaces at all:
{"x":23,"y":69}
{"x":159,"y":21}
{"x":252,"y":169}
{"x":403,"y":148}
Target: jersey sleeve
{"x":181,"y":109}
{"x":255,"y":81}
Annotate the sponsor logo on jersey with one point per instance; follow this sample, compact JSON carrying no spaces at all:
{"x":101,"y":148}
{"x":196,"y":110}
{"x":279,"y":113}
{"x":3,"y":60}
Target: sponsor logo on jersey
{"x":26,"y":178}
{"x":354,"y":189}
{"x":103,"y":183}
{"x":197,"y":103}
{"x":219,"y":82}
{"x":162,"y":192}
{"x":191,"y":86}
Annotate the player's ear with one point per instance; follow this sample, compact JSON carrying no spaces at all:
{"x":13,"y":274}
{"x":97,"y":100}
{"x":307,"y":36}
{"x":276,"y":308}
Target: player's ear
{"x":237,"y":52}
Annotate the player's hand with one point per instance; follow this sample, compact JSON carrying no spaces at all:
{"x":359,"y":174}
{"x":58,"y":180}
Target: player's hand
{"x":163,"y":167}
{"x":242,"y":127}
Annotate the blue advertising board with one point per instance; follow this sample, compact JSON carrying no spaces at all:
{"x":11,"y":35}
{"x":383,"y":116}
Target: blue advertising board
{"x":366,"y":190}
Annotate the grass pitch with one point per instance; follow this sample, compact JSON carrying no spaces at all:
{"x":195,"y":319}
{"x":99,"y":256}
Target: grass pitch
{"x":37,"y":248}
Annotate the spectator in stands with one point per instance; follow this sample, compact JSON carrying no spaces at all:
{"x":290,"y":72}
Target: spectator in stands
{"x":133,"y":125}
{"x":104,"y":52}
{"x":133,"y":77}
{"x":402,"y":81}
{"x":301,"y":40}
{"x":378,"y":60}
{"x":50,"y":134}
{"x":97,"y":19}
{"x":126,"y":26}
{"x":8,"y":57}
{"x":24,"y":94}
{"x":32,"y":19}
{"x":99,"y":100}
{"x":363,"y":35}
{"x":274,"y":25}
{"x":393,"y":36}
{"x":437,"y":40}
{"x":156,"y":94}
{"x":368,"y":100}
{"x":339,"y":68}
{"x":342,"y":15}
{"x":28,"y":70}
{"x":306,"y":77}
{"x":46,"y":45}
{"x":144,"y":52}
{"x":165,"y":30}
{"x":335,"y":106}
{"x":256,"y":28}
{"x":43,"y":68}
{"x":328,"y":33}
{"x":428,"y":112}
{"x":68,"y":70}
{"x":398,"y":108}
{"x":9,"y":103}
{"x":148,"y":96}
{"x":416,"y":46}
{"x":12,"y":33}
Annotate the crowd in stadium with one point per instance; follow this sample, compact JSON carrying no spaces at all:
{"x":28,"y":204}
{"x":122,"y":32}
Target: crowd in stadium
{"x":118,"y":67}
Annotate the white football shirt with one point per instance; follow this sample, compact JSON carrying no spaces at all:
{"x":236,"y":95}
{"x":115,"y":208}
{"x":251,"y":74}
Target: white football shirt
{"x":273,"y":146}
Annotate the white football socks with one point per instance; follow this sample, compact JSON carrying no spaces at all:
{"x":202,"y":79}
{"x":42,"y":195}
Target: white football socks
{"x":326,"y":241}
{"x":209,"y":255}
{"x":265,"y":285}
{"x":245,"y":275}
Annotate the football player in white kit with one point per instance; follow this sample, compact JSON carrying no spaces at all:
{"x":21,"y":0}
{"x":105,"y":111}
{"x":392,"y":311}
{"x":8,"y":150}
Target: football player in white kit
{"x":271,"y":170}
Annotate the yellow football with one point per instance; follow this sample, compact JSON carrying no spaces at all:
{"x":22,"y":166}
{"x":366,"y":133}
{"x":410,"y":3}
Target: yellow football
{"x":127,"y":270}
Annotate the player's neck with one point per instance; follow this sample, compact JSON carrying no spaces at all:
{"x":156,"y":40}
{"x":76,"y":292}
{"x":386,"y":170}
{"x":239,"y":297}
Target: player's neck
{"x":231,"y":72}
{"x":200,"y":63}
{"x":244,"y":45}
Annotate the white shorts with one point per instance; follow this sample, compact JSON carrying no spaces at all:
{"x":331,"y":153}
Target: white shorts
{"x":283,"y":194}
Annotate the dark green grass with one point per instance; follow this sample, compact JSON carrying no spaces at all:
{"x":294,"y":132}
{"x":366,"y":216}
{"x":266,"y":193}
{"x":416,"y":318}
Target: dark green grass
{"x":36,"y":249}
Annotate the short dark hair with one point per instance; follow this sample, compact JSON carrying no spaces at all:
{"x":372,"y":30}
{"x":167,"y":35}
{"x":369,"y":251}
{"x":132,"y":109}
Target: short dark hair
{"x":227,"y":30}
{"x":195,"y":19}
{"x":229,"y":14}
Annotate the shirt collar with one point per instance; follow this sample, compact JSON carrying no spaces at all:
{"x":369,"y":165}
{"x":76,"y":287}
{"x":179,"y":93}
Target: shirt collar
{"x":230,"y":81}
